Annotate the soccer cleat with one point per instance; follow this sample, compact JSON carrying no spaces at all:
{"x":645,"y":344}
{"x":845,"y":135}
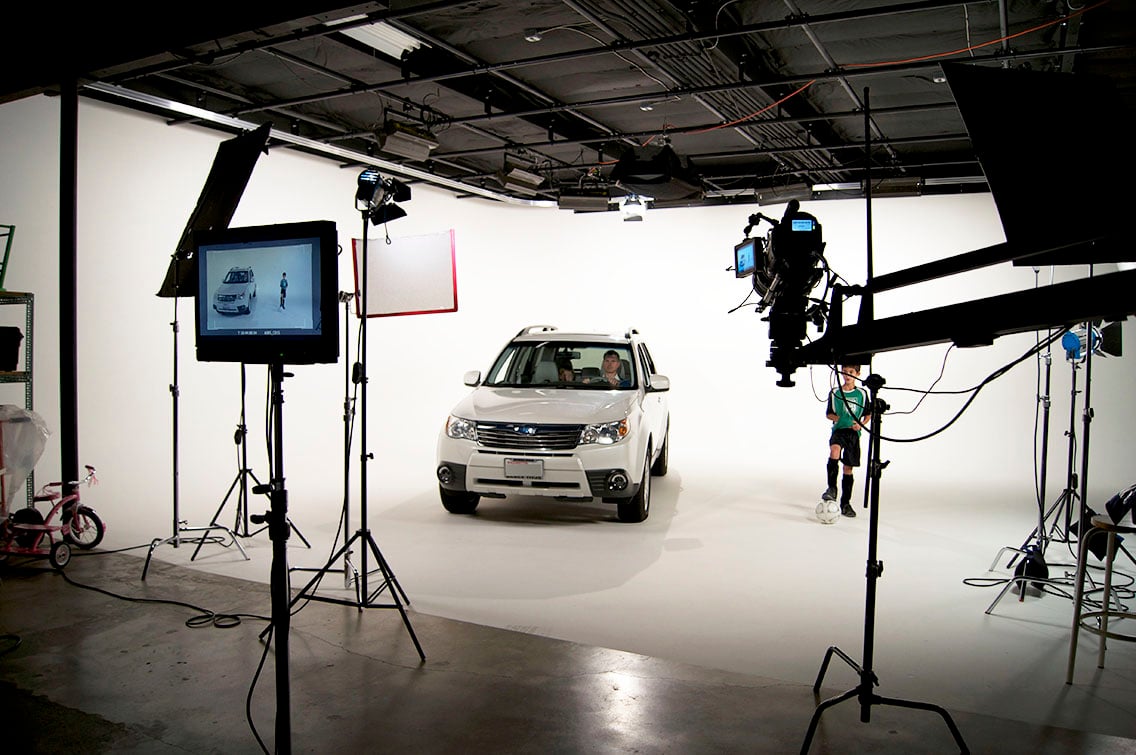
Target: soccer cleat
{"x":847,"y":510}
{"x":829,"y":495}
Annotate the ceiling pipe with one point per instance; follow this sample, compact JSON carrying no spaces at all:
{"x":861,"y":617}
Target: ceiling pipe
{"x":350,"y":156}
{"x":539,"y":60}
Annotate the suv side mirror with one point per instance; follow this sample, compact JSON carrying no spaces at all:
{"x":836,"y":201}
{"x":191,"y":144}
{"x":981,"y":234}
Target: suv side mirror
{"x":472,"y":378}
{"x":659,"y":383}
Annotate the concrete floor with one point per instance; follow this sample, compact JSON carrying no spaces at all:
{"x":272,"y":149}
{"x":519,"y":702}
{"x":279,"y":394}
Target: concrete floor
{"x":119,"y":669}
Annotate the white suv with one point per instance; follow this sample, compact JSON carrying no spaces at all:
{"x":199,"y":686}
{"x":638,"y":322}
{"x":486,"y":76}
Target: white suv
{"x":237,"y":292}
{"x":572,"y":416}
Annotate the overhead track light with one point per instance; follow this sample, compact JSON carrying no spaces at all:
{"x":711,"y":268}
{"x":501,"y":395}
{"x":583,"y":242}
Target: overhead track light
{"x":584,"y":200}
{"x":783,"y":194}
{"x":406,"y":141}
{"x":905,"y":186}
{"x":516,"y":178}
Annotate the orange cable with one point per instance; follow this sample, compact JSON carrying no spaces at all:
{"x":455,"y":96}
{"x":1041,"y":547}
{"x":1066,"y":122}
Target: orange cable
{"x":971,"y":48}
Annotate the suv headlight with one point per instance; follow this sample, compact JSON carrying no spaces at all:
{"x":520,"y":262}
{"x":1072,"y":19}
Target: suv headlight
{"x":605,"y":433}
{"x":462,"y":429}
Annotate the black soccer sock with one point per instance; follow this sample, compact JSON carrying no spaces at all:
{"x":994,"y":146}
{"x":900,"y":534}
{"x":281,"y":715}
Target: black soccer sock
{"x":833,"y":467}
{"x":846,"y":488}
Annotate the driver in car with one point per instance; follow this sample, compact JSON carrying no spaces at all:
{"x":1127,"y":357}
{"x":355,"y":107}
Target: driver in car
{"x":611,"y":367}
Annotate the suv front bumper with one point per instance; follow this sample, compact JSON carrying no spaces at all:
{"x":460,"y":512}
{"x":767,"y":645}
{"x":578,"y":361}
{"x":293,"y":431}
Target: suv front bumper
{"x":586,"y":472}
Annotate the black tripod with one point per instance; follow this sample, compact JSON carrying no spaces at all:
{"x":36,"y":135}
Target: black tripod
{"x":868,"y":681}
{"x":364,"y":596}
{"x":1061,"y":511}
{"x":240,"y":484}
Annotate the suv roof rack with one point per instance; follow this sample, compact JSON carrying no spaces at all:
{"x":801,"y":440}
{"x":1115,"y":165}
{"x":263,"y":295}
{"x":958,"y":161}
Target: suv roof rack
{"x":535,"y":329}
{"x":631,"y":332}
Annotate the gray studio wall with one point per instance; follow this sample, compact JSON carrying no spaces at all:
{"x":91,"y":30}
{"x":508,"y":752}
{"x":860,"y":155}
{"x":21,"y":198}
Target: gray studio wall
{"x":139,"y":179}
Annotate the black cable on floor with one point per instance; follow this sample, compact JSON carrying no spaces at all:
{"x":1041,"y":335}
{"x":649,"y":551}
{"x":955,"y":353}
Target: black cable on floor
{"x":206,"y":617}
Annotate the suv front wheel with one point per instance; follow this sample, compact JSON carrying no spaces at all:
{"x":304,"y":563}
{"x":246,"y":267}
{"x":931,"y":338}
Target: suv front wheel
{"x":636,"y":508}
{"x":459,"y":502}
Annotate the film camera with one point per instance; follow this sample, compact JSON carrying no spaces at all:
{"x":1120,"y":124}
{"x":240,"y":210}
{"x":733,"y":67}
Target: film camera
{"x":785,"y":266}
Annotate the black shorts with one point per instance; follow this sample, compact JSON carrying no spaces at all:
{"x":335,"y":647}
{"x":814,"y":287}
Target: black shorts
{"x":849,"y":442}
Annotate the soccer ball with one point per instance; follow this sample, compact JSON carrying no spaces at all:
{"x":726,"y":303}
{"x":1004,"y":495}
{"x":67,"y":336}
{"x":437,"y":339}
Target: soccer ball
{"x":828,"y":512}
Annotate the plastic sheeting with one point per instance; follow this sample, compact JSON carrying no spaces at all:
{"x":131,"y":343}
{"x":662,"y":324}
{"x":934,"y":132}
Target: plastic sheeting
{"x":23,"y":436}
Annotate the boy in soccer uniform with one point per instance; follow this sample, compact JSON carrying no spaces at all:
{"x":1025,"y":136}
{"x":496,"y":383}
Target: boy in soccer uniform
{"x":848,"y":411}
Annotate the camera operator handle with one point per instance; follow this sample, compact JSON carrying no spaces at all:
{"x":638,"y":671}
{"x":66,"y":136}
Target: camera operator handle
{"x":756,"y":218}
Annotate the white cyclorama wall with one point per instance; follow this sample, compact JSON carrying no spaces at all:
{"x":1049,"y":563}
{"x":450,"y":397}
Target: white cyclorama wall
{"x":140,"y":178}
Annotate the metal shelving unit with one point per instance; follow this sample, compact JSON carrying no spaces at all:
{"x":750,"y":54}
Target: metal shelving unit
{"x":15,"y":298}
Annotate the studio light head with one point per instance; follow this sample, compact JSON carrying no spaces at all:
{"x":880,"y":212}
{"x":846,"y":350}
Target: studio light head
{"x":370,"y":191}
{"x":376,"y":197}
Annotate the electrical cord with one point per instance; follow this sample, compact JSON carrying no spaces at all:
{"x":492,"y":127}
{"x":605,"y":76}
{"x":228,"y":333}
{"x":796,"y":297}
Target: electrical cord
{"x":1065,"y":586}
{"x":974,"y":391}
{"x":205,"y":618}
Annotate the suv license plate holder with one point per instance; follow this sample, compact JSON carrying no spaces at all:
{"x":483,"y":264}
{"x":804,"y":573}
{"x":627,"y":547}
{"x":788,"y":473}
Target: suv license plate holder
{"x":524,"y":469}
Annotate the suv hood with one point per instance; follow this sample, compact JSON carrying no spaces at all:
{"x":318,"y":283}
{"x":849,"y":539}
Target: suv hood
{"x":579,"y":406}
{"x":232,"y":289}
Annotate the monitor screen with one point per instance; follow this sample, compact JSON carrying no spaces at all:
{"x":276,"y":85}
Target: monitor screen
{"x":745,"y":258}
{"x":268,"y":294}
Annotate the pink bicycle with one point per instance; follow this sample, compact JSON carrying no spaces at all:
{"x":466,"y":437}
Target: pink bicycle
{"x":26,"y":532}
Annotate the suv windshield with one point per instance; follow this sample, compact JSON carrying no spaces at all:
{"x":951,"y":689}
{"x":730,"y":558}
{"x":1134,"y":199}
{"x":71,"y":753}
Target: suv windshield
{"x":237,"y":276}
{"x":564,"y":364}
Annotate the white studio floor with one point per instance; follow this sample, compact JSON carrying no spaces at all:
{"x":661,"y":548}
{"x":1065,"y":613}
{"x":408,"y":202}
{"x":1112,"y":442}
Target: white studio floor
{"x":726,"y":576}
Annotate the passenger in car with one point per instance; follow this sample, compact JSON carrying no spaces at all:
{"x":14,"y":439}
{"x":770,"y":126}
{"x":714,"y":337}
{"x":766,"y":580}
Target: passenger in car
{"x":565,"y":371}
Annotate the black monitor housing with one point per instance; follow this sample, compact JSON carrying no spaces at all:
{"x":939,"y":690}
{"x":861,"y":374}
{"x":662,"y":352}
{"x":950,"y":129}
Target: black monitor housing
{"x":268,"y":294}
{"x":745,"y":257}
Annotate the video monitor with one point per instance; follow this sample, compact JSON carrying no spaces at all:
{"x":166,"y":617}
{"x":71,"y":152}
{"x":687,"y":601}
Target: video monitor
{"x":745,"y":258}
{"x":268,"y":294}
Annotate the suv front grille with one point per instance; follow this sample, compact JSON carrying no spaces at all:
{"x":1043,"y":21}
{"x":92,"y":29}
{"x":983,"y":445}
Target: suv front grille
{"x":520,"y":436}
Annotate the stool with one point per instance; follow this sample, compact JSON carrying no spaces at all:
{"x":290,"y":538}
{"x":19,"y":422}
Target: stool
{"x":1081,"y":618}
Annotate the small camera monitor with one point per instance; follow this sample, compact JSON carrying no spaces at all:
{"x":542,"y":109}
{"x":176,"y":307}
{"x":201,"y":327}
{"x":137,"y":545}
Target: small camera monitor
{"x":268,"y":294}
{"x":745,"y":258}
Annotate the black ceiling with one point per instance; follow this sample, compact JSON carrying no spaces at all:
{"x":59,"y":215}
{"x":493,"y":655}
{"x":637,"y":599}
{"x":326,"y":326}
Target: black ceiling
{"x":756,"y":99}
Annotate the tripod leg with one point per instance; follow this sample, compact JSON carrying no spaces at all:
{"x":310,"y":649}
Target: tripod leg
{"x":397,"y":589}
{"x":298,"y":533}
{"x":819,"y":711}
{"x":876,"y":699}
{"x":213,"y":521}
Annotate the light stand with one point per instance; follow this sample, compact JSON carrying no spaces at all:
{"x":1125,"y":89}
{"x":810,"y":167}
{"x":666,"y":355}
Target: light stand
{"x":364,"y":597}
{"x":278,"y":529}
{"x":349,"y":570}
{"x":179,"y":526}
{"x":1062,"y":508}
{"x":240,"y":483}
{"x":864,"y":691}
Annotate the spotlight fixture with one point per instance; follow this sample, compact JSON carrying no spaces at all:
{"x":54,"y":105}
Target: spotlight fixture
{"x":904,"y":186}
{"x":376,"y":197}
{"x":406,"y":141}
{"x":784,"y":194}
{"x":584,"y":200}
{"x":370,"y":191}
{"x":516,"y":178}
{"x":533,"y":35}
{"x":632,"y":208}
